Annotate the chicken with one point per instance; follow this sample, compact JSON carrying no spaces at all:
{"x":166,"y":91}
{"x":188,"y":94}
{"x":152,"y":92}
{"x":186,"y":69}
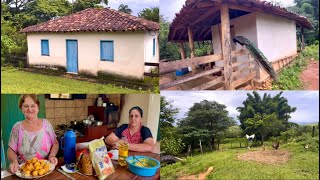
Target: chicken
{"x":276,"y":145}
{"x":250,"y":138}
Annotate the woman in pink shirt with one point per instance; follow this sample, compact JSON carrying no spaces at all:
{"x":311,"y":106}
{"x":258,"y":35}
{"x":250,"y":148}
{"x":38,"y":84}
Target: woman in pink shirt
{"x":32,"y":137}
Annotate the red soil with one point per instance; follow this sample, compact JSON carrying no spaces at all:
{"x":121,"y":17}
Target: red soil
{"x":310,"y":76}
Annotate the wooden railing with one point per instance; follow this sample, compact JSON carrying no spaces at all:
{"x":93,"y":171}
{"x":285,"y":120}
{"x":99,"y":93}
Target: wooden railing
{"x":245,"y":73}
{"x":279,"y":64}
{"x":246,"y":66}
{"x":150,"y":73}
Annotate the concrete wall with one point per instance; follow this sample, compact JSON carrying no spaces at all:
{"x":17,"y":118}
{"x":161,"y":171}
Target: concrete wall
{"x":129,"y":51}
{"x":276,"y":38}
{"x":148,"y":50}
{"x":150,"y":103}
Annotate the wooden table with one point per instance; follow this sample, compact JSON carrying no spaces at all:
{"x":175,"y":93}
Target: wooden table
{"x":120,"y":172}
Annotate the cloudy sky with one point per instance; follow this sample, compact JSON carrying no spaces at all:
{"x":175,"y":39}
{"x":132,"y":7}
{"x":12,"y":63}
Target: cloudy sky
{"x":135,"y":5}
{"x":168,"y":8}
{"x":306,"y":102}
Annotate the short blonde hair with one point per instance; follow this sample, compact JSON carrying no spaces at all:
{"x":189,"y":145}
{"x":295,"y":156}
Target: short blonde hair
{"x":33,"y":97}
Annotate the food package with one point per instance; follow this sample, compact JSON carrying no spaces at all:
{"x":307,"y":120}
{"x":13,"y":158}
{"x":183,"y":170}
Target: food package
{"x":84,"y":163}
{"x":101,"y":161}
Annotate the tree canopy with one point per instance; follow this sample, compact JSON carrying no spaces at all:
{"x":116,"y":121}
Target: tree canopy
{"x":265,"y":116}
{"x":151,"y":14}
{"x":124,"y":8}
{"x":309,"y":9}
{"x":206,"y":119}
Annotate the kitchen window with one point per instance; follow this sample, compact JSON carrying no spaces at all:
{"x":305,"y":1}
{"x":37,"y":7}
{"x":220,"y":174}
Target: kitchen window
{"x":44,"y":47}
{"x":106,"y":51}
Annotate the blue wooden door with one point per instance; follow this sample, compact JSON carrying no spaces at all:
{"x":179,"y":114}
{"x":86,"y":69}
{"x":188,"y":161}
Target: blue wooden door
{"x":72,"y":56}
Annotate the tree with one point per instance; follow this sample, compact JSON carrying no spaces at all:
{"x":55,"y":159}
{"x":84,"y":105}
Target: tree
{"x":17,"y":6}
{"x":309,"y":9}
{"x":43,"y":10}
{"x":151,"y":14}
{"x":167,"y":50}
{"x":124,"y":8}
{"x":210,"y":116}
{"x":80,"y":5}
{"x":265,"y":116}
{"x":167,"y":113}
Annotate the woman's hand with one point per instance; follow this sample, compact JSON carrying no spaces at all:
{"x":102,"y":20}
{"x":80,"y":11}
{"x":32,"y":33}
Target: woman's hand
{"x":53,"y":160}
{"x":14,"y":167}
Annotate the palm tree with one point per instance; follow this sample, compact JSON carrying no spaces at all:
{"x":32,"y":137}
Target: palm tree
{"x":124,"y":8}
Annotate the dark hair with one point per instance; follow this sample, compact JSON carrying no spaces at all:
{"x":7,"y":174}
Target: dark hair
{"x":137,"y":108}
{"x":32,"y":96}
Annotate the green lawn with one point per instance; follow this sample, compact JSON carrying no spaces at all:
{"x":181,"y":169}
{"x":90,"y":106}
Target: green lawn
{"x":16,"y":81}
{"x":301,"y":165}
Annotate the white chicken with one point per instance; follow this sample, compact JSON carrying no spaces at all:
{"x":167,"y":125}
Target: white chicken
{"x":250,"y":137}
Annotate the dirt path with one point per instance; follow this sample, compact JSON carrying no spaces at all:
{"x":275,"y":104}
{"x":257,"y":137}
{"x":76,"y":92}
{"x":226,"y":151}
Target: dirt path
{"x":310,"y":76}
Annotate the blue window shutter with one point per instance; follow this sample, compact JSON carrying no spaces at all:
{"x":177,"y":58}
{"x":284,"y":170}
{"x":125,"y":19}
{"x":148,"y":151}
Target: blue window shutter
{"x":45,"y":47}
{"x":106,"y":51}
{"x":154,"y":47}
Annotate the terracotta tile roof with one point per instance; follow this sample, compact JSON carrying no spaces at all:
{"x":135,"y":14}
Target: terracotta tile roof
{"x":94,"y":20}
{"x":194,"y":9}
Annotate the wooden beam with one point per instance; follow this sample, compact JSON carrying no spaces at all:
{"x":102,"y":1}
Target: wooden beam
{"x":192,"y":51}
{"x":243,"y":80}
{"x":182,"y":80}
{"x":191,"y":42}
{"x":208,"y":84}
{"x":226,"y":45}
{"x":302,"y":39}
{"x":182,"y":52}
{"x":171,"y":66}
{"x":204,"y":16}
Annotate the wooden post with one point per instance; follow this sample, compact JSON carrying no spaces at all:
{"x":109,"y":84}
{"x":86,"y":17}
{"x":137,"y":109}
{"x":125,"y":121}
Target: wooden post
{"x":302,"y":39}
{"x":182,"y":52}
{"x":226,"y":45}
{"x":191,"y":44}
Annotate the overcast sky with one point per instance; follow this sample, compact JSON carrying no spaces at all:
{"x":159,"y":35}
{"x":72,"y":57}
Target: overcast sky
{"x":306,"y":102}
{"x":168,"y":8}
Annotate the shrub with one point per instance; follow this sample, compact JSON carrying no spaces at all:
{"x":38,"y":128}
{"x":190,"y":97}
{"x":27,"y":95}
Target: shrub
{"x":307,"y":139}
{"x":311,"y":51}
{"x":172,"y":146}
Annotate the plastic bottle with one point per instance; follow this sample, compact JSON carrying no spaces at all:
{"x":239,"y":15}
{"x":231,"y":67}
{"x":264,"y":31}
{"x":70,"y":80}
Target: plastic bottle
{"x":123,"y":151}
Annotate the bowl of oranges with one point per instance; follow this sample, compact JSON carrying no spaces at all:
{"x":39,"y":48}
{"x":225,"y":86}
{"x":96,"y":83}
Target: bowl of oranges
{"x":35,"y":168}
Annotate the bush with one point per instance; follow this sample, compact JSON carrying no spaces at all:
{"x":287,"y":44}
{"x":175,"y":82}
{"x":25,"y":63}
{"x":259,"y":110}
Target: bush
{"x":172,"y":146}
{"x":311,"y":51}
{"x":307,"y":139}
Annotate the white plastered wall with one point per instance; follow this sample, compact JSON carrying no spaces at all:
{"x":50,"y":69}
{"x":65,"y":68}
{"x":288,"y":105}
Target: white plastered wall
{"x":150,"y":103}
{"x":276,"y":38}
{"x":128,"y":51}
{"x":148,"y":50}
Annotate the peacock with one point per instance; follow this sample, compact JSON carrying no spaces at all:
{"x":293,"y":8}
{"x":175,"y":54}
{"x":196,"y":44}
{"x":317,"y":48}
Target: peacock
{"x":259,"y":57}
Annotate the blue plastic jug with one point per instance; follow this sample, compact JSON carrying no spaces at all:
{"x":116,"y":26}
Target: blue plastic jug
{"x":69,"y":149}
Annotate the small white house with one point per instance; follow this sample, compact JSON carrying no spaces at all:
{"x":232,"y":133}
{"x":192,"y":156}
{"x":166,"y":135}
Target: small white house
{"x":271,"y":28}
{"x":95,"y":40}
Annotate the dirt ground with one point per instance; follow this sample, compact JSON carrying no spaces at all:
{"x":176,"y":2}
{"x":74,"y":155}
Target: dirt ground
{"x":201,"y":176}
{"x":310,"y":76}
{"x":266,"y":157}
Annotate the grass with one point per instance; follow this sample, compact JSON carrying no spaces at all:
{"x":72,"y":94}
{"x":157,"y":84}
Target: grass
{"x":289,"y":78}
{"x":14,"y":80}
{"x":302,"y":165}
